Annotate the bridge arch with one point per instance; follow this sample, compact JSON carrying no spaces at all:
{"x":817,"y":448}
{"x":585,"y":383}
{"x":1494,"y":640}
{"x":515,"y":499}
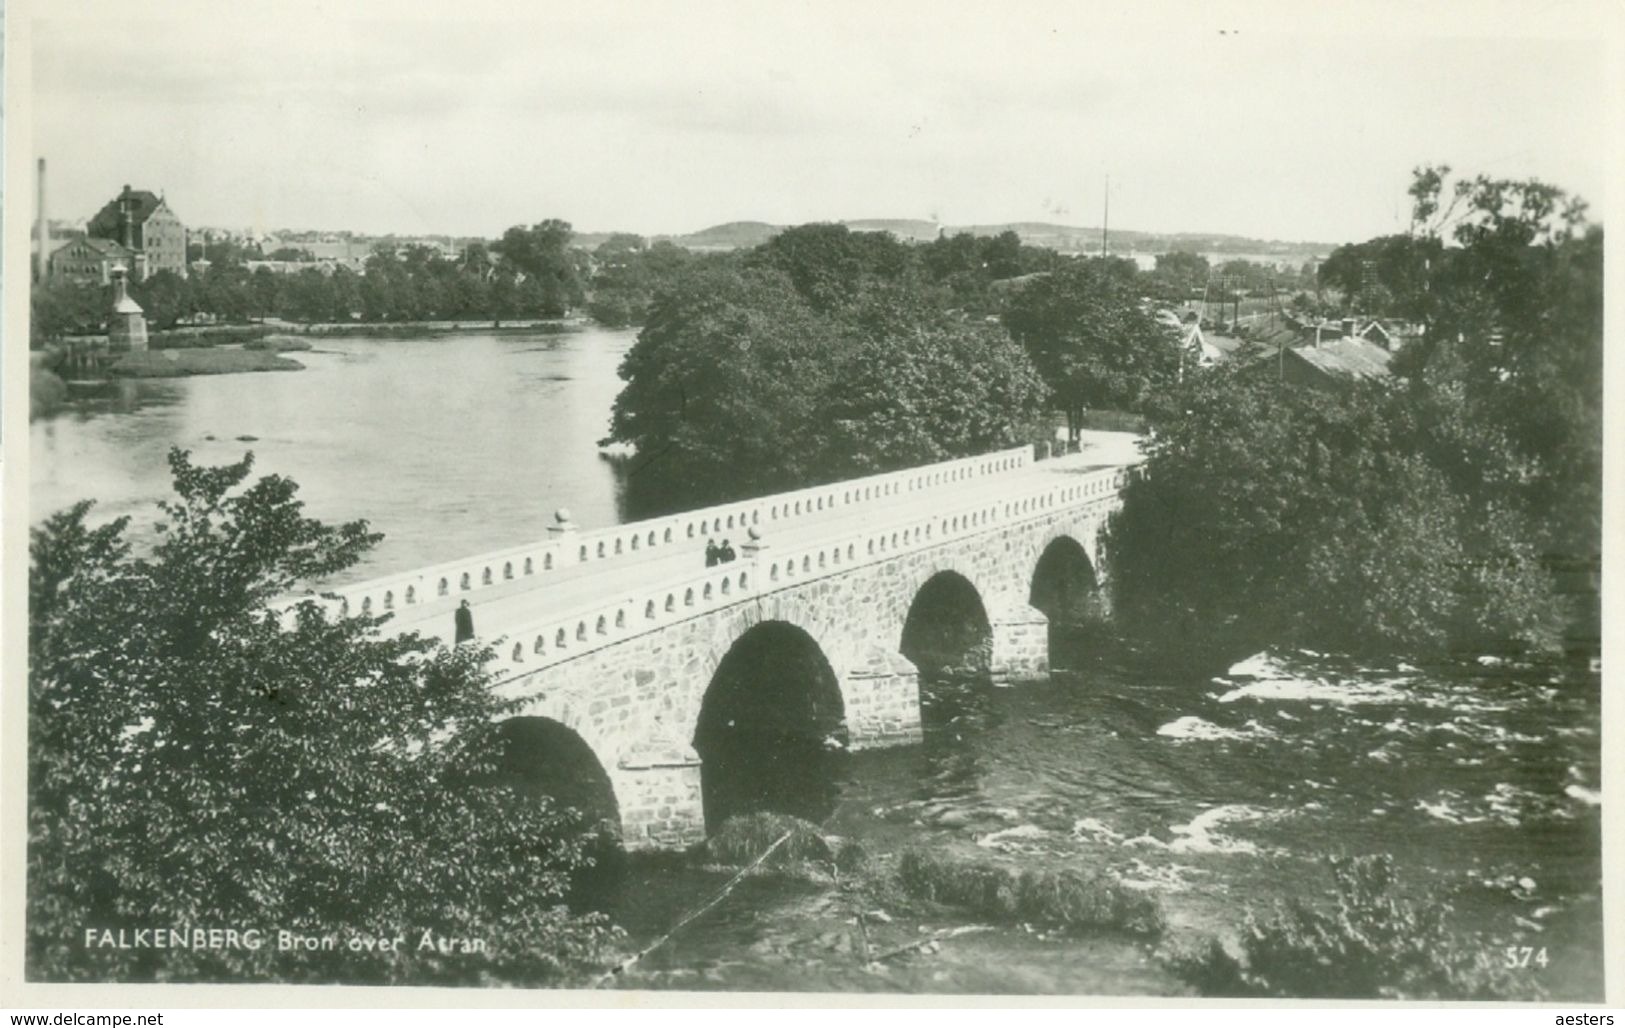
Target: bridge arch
{"x":947,"y":624}
{"x":541,"y":756}
{"x":1064,"y":583}
{"x":771,"y":726}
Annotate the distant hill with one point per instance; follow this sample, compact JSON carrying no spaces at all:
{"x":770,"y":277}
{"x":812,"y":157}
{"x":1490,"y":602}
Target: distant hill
{"x":732,"y":236}
{"x":1063,"y":238}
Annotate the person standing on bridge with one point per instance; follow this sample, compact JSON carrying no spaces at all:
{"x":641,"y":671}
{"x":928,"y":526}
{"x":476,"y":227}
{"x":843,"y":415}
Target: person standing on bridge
{"x":713,"y":554}
{"x":465,"y":623}
{"x":725,"y":553}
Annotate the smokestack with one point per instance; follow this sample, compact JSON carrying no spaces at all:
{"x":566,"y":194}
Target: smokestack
{"x":126,"y":222}
{"x":43,"y":264}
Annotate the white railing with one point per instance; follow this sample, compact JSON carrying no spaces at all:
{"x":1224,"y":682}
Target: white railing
{"x":592,"y":626}
{"x":607,"y":546}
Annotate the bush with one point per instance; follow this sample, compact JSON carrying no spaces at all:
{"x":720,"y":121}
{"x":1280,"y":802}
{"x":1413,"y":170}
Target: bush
{"x":1068,"y":899}
{"x":1371,"y":945}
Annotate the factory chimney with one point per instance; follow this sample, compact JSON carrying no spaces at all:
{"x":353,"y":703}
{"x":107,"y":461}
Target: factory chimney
{"x":43,"y":231}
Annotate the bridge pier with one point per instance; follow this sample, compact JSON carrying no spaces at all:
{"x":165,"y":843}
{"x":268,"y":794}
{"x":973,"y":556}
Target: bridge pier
{"x":658,"y":789}
{"x":1020,"y":642}
{"x":882,"y":696}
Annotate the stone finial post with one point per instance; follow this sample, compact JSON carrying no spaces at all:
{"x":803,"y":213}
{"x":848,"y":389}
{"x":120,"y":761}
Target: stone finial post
{"x":562,"y":526}
{"x":754,"y":544}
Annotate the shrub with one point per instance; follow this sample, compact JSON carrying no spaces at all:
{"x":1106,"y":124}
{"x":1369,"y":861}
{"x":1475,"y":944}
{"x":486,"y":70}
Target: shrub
{"x":1371,"y":945}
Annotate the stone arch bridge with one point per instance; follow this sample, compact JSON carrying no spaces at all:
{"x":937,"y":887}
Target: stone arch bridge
{"x":664,"y":675}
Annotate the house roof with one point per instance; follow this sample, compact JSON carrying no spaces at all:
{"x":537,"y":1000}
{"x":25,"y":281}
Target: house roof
{"x":106,"y":222}
{"x":1347,"y":358}
{"x":104,"y":247}
{"x":1227,"y":346}
{"x":1276,"y":335}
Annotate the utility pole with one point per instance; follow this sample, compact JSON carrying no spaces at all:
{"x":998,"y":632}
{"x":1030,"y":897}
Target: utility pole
{"x":1106,"y":219}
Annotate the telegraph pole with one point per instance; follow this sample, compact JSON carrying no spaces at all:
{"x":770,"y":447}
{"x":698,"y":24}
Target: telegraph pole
{"x":1106,"y":219}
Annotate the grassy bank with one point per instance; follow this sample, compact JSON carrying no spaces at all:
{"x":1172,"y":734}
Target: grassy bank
{"x":204,"y":336}
{"x":278,"y":344}
{"x":184,"y":363}
{"x":422,"y":329}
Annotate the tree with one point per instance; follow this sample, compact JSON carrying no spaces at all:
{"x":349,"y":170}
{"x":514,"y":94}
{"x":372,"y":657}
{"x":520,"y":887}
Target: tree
{"x":1180,"y":274}
{"x":165,"y":298}
{"x":1091,"y":339}
{"x":1383,"y":277}
{"x":541,"y":253}
{"x":828,"y":263}
{"x":917,"y":384}
{"x":64,"y":306}
{"x":197,"y":759}
{"x":628,"y":277}
{"x":739,"y":385}
{"x":1512,"y":351}
{"x":721,"y":388}
{"x":1295,"y":517}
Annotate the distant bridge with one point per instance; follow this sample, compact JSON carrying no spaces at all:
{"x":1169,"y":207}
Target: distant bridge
{"x":671,"y":682}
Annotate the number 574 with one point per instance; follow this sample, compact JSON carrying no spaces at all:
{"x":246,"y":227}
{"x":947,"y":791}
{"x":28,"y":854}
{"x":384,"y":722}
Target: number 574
{"x":1525,"y":956}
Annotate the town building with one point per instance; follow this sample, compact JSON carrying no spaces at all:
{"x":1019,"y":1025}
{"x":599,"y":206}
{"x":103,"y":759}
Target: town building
{"x":1336,"y":364}
{"x":89,"y":260}
{"x":142,"y":223}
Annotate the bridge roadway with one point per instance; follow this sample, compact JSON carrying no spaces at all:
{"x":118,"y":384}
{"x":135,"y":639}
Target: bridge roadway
{"x":509,"y":608}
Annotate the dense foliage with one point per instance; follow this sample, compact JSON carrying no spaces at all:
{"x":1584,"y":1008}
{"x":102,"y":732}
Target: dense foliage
{"x":816,"y":357}
{"x":1093,"y":341}
{"x":198,"y":761}
{"x":1405,"y":517}
{"x":1372,"y":944}
{"x":1298,"y":517}
{"x":628,"y":276}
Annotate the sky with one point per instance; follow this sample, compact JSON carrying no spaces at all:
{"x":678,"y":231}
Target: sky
{"x":465,"y":118}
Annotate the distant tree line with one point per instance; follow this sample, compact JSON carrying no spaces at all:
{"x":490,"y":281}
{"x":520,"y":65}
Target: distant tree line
{"x":529,"y":273}
{"x":630,"y":273}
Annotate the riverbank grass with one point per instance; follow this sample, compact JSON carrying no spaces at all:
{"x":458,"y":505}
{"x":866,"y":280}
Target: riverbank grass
{"x":184,"y":363}
{"x":278,"y":344}
{"x":1070,"y":900}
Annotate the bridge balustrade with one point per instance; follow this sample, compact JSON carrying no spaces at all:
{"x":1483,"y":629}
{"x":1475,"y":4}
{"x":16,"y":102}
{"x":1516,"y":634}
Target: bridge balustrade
{"x":469,"y":576}
{"x":603,"y":623}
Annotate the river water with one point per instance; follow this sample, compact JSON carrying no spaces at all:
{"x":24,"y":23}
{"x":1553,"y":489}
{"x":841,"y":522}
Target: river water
{"x":1216,"y":794}
{"x":449,"y":446}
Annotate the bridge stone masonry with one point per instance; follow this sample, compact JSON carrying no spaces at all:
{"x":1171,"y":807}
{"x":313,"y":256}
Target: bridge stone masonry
{"x":675,"y":681}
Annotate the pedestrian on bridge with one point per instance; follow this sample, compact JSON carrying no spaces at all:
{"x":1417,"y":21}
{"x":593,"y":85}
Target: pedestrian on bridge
{"x":725,"y":553}
{"x":713,"y":553}
{"x":465,"y":623}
